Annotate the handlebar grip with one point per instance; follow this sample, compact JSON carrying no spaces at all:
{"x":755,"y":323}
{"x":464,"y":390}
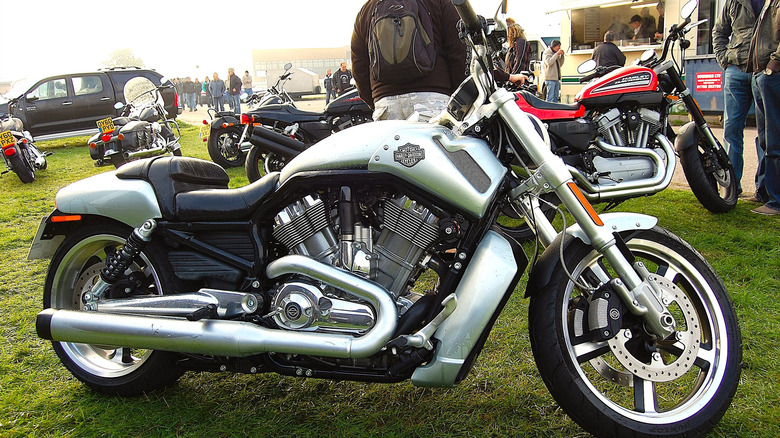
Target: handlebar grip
{"x":467,"y":14}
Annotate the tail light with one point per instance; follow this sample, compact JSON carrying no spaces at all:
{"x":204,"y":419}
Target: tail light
{"x":247,"y":119}
{"x":176,"y":99}
{"x":9,"y":150}
{"x":205,"y":122}
{"x":105,"y":137}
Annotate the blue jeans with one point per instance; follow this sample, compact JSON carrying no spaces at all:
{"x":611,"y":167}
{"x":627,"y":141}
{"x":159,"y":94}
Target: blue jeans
{"x":738,"y":98}
{"x":766,"y":91}
{"x":219,"y":103}
{"x":235,"y":103}
{"x":248,"y":91}
{"x":193,"y":101}
{"x":553,"y":91}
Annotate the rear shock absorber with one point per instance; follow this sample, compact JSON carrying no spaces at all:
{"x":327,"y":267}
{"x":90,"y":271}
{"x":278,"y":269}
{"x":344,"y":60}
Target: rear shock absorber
{"x":118,"y":262}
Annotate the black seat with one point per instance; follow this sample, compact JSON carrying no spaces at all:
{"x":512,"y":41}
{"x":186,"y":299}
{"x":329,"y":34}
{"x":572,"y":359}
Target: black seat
{"x":190,"y":189}
{"x":544,"y":105}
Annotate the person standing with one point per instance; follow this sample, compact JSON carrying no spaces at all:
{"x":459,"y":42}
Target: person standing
{"x":217,"y":87}
{"x":518,"y":57}
{"x":641,"y":30}
{"x":425,"y":94}
{"x":609,"y":54}
{"x":246,"y":83}
{"x":328,"y":84}
{"x":198,"y":88}
{"x":343,"y":79}
{"x":189,"y":93}
{"x":207,"y":90}
{"x":764,"y":62}
{"x":731,"y":37}
{"x":234,"y":91}
{"x":659,"y":30}
{"x":552,"y":60}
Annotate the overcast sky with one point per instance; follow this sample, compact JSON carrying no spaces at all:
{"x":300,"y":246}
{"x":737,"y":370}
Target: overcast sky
{"x":188,"y":38}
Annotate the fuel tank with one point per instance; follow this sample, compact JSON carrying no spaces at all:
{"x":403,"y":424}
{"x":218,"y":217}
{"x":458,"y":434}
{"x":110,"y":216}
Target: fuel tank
{"x":630,"y":79}
{"x":462,"y":171}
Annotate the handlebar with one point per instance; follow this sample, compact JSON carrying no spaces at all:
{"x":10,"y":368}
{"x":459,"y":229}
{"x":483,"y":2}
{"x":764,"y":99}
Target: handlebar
{"x":467,"y":14}
{"x":600,"y":71}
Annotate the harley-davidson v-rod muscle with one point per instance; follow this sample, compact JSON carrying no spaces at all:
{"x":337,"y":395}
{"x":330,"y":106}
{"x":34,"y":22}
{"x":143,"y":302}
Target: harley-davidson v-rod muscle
{"x":158,"y":268}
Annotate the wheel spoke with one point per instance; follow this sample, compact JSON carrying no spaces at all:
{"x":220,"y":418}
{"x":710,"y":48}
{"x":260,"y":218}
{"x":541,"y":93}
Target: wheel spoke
{"x":645,"y":399}
{"x":590,"y":350}
{"x":706,"y":357}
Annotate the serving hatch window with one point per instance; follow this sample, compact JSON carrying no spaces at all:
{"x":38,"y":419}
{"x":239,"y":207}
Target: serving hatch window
{"x":633,"y":23}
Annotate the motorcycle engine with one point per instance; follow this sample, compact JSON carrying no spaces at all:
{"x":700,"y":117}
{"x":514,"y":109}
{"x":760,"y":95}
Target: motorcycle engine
{"x":388,"y":255}
{"x":633,"y":128}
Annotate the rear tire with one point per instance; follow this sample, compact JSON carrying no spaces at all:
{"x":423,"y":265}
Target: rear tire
{"x":224,"y":149}
{"x":258,"y":159}
{"x":107,"y":369}
{"x":713,"y":185}
{"x":22,"y":166}
{"x":632,"y":384}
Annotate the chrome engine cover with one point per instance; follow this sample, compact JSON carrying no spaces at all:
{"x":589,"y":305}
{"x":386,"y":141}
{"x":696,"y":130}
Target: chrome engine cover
{"x":302,"y":306}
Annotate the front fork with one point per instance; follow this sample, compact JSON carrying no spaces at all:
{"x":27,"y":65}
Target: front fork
{"x":638,"y":291}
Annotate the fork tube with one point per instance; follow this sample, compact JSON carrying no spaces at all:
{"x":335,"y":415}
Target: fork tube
{"x":556,"y":175}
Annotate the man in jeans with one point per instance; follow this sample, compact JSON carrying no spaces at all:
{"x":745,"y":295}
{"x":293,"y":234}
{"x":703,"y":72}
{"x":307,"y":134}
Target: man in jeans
{"x":234,"y":91}
{"x":552,"y":60}
{"x":731,"y":37}
{"x":764,"y":62}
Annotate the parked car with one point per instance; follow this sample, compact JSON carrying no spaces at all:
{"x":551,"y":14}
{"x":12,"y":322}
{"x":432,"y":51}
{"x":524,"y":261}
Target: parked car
{"x":71,"y":104}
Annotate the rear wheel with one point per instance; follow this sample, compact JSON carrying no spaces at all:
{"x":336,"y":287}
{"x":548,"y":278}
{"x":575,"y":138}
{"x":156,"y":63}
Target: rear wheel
{"x":260,"y":162}
{"x":627,"y":383}
{"x":21,"y":165}
{"x":74,"y":269}
{"x":224,"y":148}
{"x":714,"y":185}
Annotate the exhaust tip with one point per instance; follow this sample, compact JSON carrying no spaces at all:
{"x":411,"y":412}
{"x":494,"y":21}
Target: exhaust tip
{"x":43,"y":324}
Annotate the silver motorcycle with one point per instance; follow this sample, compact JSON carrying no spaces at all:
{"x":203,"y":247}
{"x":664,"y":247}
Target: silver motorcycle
{"x":158,"y":268}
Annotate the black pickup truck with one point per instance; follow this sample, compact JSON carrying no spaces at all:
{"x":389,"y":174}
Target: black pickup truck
{"x":72,"y":103}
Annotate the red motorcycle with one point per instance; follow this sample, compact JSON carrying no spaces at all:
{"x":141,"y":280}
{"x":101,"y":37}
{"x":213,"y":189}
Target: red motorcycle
{"x":616,"y":138}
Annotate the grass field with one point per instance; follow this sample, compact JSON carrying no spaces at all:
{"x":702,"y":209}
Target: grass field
{"x":503,"y":397}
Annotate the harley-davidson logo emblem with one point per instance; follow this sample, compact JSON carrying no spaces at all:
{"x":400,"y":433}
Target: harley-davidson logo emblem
{"x":409,"y":154}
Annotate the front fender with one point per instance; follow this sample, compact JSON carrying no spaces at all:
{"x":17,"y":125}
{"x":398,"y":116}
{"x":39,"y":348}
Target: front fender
{"x":550,"y":259}
{"x":687,"y":137}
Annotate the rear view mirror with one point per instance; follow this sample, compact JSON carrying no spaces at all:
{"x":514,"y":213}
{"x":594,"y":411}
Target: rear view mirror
{"x":586,"y":66}
{"x":288,"y":66}
{"x":119,"y":105}
{"x":688,"y":9}
{"x":30,"y":97}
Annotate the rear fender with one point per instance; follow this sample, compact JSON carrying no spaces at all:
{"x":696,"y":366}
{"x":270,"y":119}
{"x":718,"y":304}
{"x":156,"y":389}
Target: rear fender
{"x":550,"y":260}
{"x":224,"y":122}
{"x":50,"y":234}
{"x":687,"y":137}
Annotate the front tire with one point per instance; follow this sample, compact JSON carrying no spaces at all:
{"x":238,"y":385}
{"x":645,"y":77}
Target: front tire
{"x":631,"y":384}
{"x":713,"y":185}
{"x":224,"y":149}
{"x":107,"y":369}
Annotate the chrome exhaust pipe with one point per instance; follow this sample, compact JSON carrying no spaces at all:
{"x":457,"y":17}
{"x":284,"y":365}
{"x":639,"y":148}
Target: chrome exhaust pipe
{"x":231,"y":338}
{"x":648,"y":186}
{"x":145,"y":153}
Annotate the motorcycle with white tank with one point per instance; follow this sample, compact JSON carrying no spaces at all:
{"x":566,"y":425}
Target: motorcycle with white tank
{"x":142,"y":130}
{"x":310,"y":271}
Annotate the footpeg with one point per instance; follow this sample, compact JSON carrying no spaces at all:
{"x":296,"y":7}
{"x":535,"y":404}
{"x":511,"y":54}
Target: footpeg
{"x":423,"y":337}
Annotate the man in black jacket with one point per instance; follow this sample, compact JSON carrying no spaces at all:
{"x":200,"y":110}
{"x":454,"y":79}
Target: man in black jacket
{"x":428,"y":95}
{"x":234,"y":91}
{"x":609,"y":54}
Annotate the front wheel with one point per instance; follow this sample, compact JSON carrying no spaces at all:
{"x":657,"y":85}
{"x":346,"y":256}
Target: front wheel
{"x":626,"y":382}
{"x":714,"y":185}
{"x":224,"y":148}
{"x":74,"y":269}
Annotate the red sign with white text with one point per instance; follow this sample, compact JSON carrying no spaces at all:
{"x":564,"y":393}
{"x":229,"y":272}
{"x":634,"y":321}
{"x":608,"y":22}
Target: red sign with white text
{"x":709,"y":81}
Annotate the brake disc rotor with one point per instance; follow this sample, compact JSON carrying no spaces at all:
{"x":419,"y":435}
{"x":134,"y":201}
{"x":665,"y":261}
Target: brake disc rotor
{"x":85,"y":282}
{"x":664,"y":368}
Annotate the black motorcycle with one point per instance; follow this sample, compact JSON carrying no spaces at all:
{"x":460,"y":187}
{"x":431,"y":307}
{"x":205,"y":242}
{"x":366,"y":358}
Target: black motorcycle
{"x":225,"y":131}
{"x":20,"y":154}
{"x":281,"y":131}
{"x":143,"y":129}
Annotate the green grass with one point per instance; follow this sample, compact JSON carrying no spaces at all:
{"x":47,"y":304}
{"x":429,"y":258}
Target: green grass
{"x":503,"y":397}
